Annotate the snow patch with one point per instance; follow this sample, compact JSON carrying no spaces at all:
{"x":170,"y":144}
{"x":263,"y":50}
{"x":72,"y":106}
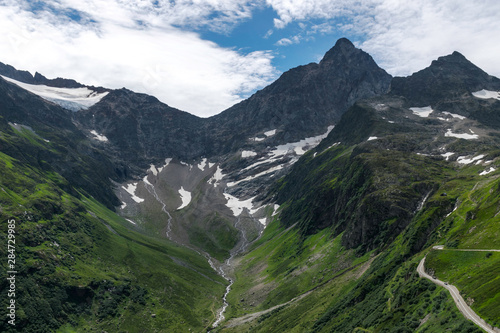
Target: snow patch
{"x":131,"y":190}
{"x":153,"y":169}
{"x":305,"y":145}
{"x":486,"y":94}
{"x":131,"y":221}
{"x":263,"y":221}
{"x":335,"y":144}
{"x":485,"y":172}
{"x":422,"y":112}
{"x":372,"y":138}
{"x":465,"y":136}
{"x":275,"y":212}
{"x":248,"y":153}
{"x":167,"y":162}
{"x":202,"y":164}
{"x":270,"y":133}
{"x":210,"y":165}
{"x":237,"y":206}
{"x":98,"y":136}
{"x":260,"y":174}
{"x":454,"y":115}
{"x":185,"y":197}
{"x":145,"y":180}
{"x":299,"y":150}
{"x":70,"y":98}
{"x":217,"y":177}
{"x":123,"y":205}
{"x":465,"y":160}
{"x":261,"y":161}
{"x":447,"y":155}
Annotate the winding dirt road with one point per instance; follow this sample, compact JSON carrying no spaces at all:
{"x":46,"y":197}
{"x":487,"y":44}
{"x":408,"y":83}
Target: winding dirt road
{"x":459,"y":301}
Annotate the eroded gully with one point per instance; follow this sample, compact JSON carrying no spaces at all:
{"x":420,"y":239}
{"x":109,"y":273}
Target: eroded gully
{"x":222,"y":268}
{"x":238,"y":249}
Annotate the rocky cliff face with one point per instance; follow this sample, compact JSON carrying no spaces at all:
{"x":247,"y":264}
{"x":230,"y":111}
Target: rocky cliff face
{"x":386,"y":155}
{"x":55,"y":143}
{"x":305,"y":100}
{"x":141,"y":130}
{"x":447,"y":78}
{"x":447,"y":84}
{"x":302,"y":103}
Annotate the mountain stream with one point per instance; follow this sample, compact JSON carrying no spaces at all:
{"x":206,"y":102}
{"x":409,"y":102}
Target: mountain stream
{"x":223,"y":267}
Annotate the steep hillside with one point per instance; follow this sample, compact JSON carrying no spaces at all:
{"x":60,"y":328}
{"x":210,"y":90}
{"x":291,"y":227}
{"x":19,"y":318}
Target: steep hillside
{"x":78,"y":265}
{"x":359,"y":211}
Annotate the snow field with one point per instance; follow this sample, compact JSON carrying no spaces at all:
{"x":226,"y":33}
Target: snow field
{"x":237,"y":206}
{"x":465,"y":136}
{"x":422,"y":112}
{"x":98,"y":136}
{"x":131,"y":188}
{"x":82,"y":98}
{"x":185,"y":197}
{"x":487,"y":94}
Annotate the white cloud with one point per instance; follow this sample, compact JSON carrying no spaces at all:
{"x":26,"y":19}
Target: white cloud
{"x":152,"y":56}
{"x":289,"y":41}
{"x":268,"y":34}
{"x":144,"y":45}
{"x":405,"y":36}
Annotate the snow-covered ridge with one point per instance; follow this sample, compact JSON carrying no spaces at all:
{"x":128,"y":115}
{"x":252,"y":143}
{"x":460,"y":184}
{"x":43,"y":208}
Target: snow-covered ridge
{"x":70,"y":98}
{"x":486,"y":94}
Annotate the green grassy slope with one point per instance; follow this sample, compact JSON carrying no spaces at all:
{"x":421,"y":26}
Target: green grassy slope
{"x":381,"y":200}
{"x":81,"y":268}
{"x":475,"y":274}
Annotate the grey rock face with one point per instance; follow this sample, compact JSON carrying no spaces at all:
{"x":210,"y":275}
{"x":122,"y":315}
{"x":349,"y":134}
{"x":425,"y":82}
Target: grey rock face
{"x":306,"y":99}
{"x":303,"y":102}
{"x":142,"y":130}
{"x":446,"y":78}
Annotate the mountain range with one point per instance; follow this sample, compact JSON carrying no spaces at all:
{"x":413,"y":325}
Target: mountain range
{"x":305,"y":208}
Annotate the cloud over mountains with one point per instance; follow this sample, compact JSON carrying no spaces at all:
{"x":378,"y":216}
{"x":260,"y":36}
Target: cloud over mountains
{"x":157,"y":46}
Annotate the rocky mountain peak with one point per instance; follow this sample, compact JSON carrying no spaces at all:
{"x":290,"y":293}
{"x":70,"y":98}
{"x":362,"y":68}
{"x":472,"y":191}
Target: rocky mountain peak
{"x":448,"y":77}
{"x":305,"y":100}
{"x":343,"y":49}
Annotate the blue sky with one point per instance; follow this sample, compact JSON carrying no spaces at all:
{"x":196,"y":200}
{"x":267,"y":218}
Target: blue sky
{"x":202,"y":56}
